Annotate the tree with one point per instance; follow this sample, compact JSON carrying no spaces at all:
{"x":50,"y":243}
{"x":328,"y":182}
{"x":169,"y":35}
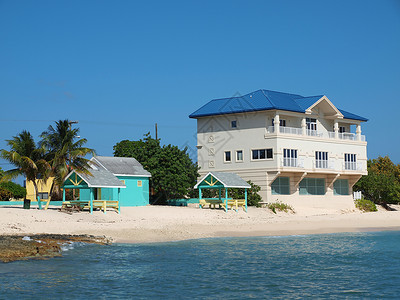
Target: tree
{"x":1,"y":173}
{"x":66,"y":152}
{"x":27,"y":157}
{"x":17,"y":191}
{"x":253,"y":198}
{"x":173,"y":174}
{"x":382,"y":184}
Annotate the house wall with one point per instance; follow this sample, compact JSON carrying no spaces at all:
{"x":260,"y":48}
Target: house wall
{"x":215,"y":136}
{"x":43,"y":187}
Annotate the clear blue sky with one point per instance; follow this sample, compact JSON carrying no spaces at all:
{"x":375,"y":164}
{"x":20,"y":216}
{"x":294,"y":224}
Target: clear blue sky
{"x":120,"y":66}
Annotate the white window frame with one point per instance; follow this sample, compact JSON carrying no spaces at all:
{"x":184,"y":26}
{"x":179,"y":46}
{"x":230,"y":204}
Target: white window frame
{"x":262,"y":159}
{"x":236,"y":156}
{"x":290,"y":157}
{"x":321,"y":159}
{"x":350,"y":161}
{"x":282,"y":122}
{"x":230,"y":156}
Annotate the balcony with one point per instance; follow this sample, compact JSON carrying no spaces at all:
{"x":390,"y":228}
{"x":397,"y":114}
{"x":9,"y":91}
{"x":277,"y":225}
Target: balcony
{"x":323,"y":164}
{"x":319,"y":134}
{"x":292,"y":162}
{"x":352,"y":166}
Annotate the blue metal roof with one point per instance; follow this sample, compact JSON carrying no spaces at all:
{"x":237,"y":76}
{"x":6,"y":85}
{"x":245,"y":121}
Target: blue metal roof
{"x":262,"y":100}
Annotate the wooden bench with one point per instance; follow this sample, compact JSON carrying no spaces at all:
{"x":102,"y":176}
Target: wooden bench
{"x":210,"y":202}
{"x":81,"y":204}
{"x":104,"y":204}
{"x":236,"y":203}
{"x":85,"y":204}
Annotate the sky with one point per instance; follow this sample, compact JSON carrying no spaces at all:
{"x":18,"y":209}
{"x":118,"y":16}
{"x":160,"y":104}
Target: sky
{"x":119,"y":67}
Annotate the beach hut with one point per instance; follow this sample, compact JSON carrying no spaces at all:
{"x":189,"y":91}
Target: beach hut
{"x":114,"y":182}
{"x":219,"y":181}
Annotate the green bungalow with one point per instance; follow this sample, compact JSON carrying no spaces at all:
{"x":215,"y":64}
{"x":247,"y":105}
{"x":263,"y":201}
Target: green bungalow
{"x":121,"y":179}
{"x":219,"y":181}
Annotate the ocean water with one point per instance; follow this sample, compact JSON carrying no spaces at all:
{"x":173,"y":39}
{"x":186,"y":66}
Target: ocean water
{"x":330,"y":266}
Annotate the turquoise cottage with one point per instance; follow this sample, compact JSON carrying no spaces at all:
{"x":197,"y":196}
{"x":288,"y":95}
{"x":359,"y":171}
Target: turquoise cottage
{"x":113,"y":178}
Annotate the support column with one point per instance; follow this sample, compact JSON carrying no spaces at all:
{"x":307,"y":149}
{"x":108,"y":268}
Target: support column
{"x":358,"y":132}
{"x":276,"y":123}
{"x":226,"y":199}
{"x":336,"y":129}
{"x":303,"y":126}
{"x":119,"y":203}
{"x":63,"y":195}
{"x":91,"y":200}
{"x":245,"y":197}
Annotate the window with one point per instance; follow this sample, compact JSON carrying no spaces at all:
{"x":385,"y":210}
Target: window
{"x":281,"y":122}
{"x":350,"y":161}
{"x":262,"y":153}
{"x":311,"y":126}
{"x":43,"y":196}
{"x":341,"y":187}
{"x":227,"y":156}
{"x":321,"y":160}
{"x":342,"y":129}
{"x":234,"y":124}
{"x":239,"y":155}
{"x":312,"y":186}
{"x":139,"y":183}
{"x":290,"y":157}
{"x":281,"y":186}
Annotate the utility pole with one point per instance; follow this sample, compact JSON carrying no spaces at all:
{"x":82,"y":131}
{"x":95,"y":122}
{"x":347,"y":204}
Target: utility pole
{"x":156,"y":132}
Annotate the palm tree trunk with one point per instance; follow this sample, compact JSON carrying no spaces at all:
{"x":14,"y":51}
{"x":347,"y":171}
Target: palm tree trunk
{"x":36,"y":189}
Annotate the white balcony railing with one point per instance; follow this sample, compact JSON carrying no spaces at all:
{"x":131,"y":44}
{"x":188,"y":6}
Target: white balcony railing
{"x":292,"y":162}
{"x":286,"y":130}
{"x":323,"y":164}
{"x":314,"y":133}
{"x":352,"y":166}
{"x":327,"y":134}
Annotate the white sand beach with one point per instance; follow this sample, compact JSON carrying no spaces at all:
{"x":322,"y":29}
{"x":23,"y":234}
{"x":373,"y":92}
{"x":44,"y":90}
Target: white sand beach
{"x":164,"y":223}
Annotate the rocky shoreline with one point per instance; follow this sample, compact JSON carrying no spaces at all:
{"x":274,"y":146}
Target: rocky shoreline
{"x":41,"y":246}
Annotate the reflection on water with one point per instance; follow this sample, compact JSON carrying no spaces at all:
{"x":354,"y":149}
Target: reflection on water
{"x":355,"y":265}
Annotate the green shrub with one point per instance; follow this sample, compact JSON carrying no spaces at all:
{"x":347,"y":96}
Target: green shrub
{"x":253,"y":198}
{"x":365,"y":205}
{"x":5,"y":195}
{"x":279,"y":206}
{"x":17,"y":191}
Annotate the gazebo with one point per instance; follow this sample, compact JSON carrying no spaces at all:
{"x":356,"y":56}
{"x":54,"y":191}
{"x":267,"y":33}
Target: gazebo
{"x":89,"y":187}
{"x":222,"y":180}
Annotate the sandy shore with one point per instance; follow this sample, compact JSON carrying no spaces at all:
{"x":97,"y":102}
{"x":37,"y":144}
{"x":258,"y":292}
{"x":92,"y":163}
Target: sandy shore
{"x":161,"y":223}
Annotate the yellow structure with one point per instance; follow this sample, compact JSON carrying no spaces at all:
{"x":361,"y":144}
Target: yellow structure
{"x":43,"y":189}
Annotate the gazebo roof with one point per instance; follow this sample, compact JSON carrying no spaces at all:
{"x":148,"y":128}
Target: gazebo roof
{"x":222,"y":180}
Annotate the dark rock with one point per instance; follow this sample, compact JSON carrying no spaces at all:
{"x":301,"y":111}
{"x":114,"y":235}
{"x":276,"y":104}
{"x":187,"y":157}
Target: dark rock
{"x":40,"y":246}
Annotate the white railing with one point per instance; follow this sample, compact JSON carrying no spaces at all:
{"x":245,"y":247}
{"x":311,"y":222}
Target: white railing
{"x":324,"y":164}
{"x":329,"y":134}
{"x":286,"y":130}
{"x":314,"y":133}
{"x":290,"y":130}
{"x":347,"y":136}
{"x":352,"y":166}
{"x":292,"y":162}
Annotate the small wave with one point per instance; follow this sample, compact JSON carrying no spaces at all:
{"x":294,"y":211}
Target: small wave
{"x":70,"y":245}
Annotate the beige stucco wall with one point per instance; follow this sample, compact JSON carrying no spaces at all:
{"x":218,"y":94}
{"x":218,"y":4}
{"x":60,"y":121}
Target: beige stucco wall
{"x":215,"y":136}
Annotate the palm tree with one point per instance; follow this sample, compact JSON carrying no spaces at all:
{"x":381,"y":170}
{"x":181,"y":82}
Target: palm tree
{"x":27,"y":158}
{"x":65,"y":152}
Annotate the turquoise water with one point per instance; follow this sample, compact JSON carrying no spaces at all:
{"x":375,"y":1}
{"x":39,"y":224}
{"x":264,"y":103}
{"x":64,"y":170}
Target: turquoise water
{"x":351,"y":265}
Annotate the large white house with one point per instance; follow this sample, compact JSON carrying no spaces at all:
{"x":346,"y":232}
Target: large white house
{"x":299,"y":150}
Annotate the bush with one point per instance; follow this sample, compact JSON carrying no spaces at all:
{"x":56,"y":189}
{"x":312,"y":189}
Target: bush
{"x":279,"y":206}
{"x":17,"y":191}
{"x":5,"y":195}
{"x":253,"y":198}
{"x":365,"y":205}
